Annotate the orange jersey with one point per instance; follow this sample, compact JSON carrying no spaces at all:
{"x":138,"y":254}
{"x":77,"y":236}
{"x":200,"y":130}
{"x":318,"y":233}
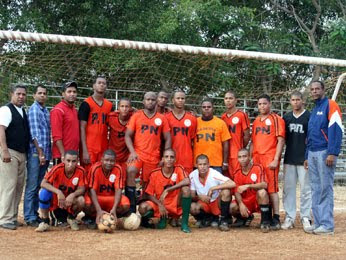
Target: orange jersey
{"x":209,"y":138}
{"x":237,"y":123}
{"x":183,"y":131}
{"x":265,"y":133}
{"x":96,"y":128}
{"x":58,"y":179}
{"x":105,"y":185}
{"x":255,"y":175}
{"x":147,"y":135}
{"x":117,"y":137}
{"x":158,"y":183}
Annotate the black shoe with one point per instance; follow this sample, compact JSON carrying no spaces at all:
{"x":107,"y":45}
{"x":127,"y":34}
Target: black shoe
{"x":10,"y":226}
{"x":206,"y":222}
{"x":248,"y":220}
{"x":33,"y":223}
{"x":275,"y":224}
{"x":239,"y":222}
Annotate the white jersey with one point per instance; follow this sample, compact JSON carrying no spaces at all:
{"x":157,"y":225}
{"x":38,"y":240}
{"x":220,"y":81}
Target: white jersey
{"x":213,"y":178}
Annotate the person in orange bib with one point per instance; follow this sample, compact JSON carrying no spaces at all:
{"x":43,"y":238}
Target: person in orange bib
{"x":250,"y":193}
{"x":268,"y":139}
{"x":92,"y":115}
{"x":183,"y":126}
{"x":105,"y":189}
{"x":169,"y":194}
{"x":143,"y":139}
{"x":239,"y":128}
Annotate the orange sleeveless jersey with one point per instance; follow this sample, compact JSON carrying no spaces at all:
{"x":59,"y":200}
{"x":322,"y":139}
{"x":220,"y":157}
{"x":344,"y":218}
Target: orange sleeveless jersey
{"x":183,"y":131}
{"x":209,"y":138}
{"x":117,"y":137}
{"x":158,"y":183}
{"x":96,"y":128}
{"x":237,"y":124}
{"x":147,"y":135}
{"x":255,"y":175}
{"x":265,"y":133}
{"x":102,"y":185}
{"x":58,"y":179}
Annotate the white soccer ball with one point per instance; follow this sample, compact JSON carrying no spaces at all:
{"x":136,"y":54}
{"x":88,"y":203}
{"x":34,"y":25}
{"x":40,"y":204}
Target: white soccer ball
{"x":132,"y":222}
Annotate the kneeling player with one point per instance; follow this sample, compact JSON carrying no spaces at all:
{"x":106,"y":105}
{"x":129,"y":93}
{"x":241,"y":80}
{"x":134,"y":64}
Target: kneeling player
{"x":105,"y":189}
{"x":169,"y":194}
{"x":62,"y":190}
{"x":250,"y":193}
{"x":212,"y":191}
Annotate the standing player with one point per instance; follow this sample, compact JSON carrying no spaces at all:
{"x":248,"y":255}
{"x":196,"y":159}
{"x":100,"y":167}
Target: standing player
{"x":296,"y":123}
{"x":105,"y":188}
{"x":250,"y":194}
{"x":162,"y":101}
{"x":211,"y":192}
{"x":324,"y":143}
{"x":268,"y":139}
{"x":183,"y":130}
{"x":239,"y":127}
{"x":93,"y":114}
{"x":143,"y":139}
{"x":169,"y":194}
{"x":62,"y":190}
{"x":117,"y":122}
{"x":65,"y":124}
{"x":212,"y":138}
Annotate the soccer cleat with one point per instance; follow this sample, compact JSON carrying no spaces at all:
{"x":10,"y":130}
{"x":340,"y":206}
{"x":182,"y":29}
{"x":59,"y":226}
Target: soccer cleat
{"x":33,"y":223}
{"x":239,"y":222}
{"x":288,"y":224}
{"x":306,"y":223}
{"x":275,"y":224}
{"x":323,"y":231}
{"x":248,"y":220}
{"x":265,"y":227}
{"x":223,"y":226}
{"x":42,"y":227}
{"x":73,"y":224}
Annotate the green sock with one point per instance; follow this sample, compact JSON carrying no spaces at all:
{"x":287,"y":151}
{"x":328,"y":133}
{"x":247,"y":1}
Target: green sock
{"x":148,"y":214}
{"x":186,"y":205}
{"x":162,"y":223}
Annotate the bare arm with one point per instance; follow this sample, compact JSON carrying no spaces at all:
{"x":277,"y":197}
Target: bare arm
{"x":6,"y":157}
{"x":85,"y":153}
{"x":184,"y":182}
{"x":246,"y":137}
{"x":60,"y":148}
{"x":61,"y":197}
{"x":117,"y":197}
{"x":226,"y":185}
{"x":70,"y":198}
{"x":162,"y":208}
{"x":41,"y":157}
{"x":99,"y":210}
{"x":168,"y":140}
{"x":129,"y":143}
{"x":256,"y":186}
{"x":278,"y":152}
{"x":225,"y":154}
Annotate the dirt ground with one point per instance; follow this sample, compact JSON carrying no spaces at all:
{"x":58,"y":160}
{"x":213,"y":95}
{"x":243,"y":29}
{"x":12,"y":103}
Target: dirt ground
{"x":206,"y":243}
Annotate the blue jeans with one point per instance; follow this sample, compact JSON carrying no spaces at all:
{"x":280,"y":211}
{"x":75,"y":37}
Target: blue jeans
{"x":322,"y":181}
{"x":35,"y":174}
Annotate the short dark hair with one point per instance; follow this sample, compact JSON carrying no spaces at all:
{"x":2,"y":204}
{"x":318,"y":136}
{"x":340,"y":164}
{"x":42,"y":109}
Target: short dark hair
{"x":14,"y":88}
{"x":69,"y":84}
{"x":266,"y":96}
{"x":231,"y":92}
{"x":99,"y":77}
{"x":109,"y":152}
{"x":208,"y":100}
{"x":71,"y":152}
{"x":297,"y":94}
{"x":202,"y":157}
{"x":40,"y":86}
{"x":318,"y":81}
{"x":244,"y":150}
{"x":169,"y":149}
{"x":124,"y":99}
{"x":177,"y":91}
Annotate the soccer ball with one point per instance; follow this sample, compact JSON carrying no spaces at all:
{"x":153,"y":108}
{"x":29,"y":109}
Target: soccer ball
{"x":107,"y":223}
{"x":132,"y":222}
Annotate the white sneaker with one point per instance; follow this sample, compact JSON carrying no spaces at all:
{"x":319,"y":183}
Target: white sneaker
{"x":42,"y":227}
{"x":306,"y":223}
{"x":323,"y":231}
{"x":310,"y":229}
{"x":288,"y":224}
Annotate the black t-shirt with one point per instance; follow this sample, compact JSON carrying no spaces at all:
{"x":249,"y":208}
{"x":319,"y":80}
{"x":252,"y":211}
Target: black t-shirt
{"x":296,"y":131}
{"x":84,"y":111}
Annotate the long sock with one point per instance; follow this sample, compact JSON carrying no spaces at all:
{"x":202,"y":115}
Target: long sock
{"x":225,"y":209}
{"x":145,"y":219}
{"x":186,"y":205}
{"x":130,"y":192}
{"x":162,"y":223}
{"x":265,"y":213}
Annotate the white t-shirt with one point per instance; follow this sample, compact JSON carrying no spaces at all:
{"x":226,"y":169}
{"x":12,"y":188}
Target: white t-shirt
{"x":6,"y":115}
{"x":214,"y":178}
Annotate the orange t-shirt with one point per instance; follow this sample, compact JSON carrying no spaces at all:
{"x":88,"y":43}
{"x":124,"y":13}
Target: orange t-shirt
{"x":183,"y":131}
{"x":237,"y":124}
{"x":209,"y":138}
{"x":265,"y":133}
{"x":117,"y":137}
{"x":103,"y":185}
{"x":147,"y":135}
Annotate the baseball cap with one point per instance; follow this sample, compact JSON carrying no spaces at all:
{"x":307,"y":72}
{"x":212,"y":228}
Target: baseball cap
{"x":69,"y":84}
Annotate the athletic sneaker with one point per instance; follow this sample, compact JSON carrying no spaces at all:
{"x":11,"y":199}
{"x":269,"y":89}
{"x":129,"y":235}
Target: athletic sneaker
{"x":306,"y":223}
{"x":223,"y":226}
{"x":323,"y":231}
{"x":265,"y":227}
{"x":73,"y":224}
{"x":288,"y":223}
{"x":275,"y":224}
{"x":310,"y":229}
{"x":199,"y":224}
{"x":42,"y":227}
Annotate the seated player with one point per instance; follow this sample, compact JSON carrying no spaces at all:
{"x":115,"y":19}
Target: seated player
{"x":211,"y":192}
{"x":105,"y":189}
{"x":169,"y":194}
{"x":250,"y":193}
{"x":62,"y":191}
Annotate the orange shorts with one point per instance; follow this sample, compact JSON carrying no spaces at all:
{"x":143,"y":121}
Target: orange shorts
{"x":233,"y":165}
{"x":210,"y":208}
{"x":107,"y":202}
{"x":174,"y":211}
{"x":250,"y":203}
{"x":146,"y":167}
{"x":271,"y":175}
{"x":123,"y":166}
